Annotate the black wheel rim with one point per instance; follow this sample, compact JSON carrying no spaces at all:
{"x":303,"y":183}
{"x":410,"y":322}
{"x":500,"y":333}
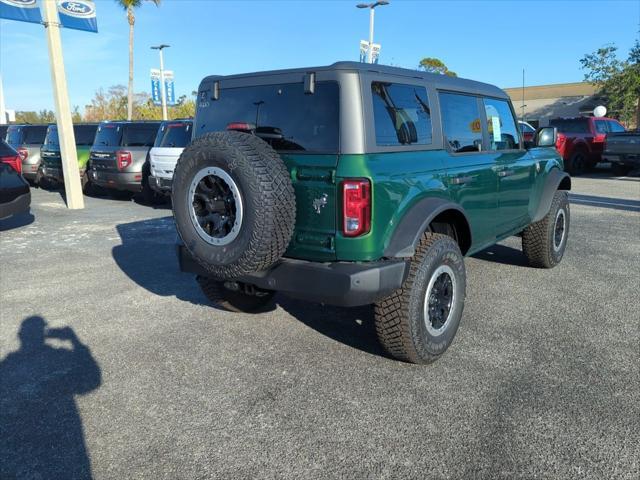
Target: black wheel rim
{"x":559,"y":229}
{"x":216,"y":206}
{"x":439,"y":301}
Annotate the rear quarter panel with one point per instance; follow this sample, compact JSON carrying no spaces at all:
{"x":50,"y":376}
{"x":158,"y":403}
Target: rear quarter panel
{"x":399,"y":180}
{"x":547,"y":159}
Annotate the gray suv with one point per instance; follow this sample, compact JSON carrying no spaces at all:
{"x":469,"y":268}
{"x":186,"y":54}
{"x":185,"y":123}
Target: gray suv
{"x":27,"y":140}
{"x":118,"y":159}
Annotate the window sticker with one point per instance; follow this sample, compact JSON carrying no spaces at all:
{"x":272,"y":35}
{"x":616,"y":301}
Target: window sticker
{"x":495,"y":123}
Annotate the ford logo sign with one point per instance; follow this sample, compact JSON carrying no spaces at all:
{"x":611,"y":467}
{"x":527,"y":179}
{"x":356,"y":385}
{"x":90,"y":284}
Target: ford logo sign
{"x":78,"y":8}
{"x":21,"y":3}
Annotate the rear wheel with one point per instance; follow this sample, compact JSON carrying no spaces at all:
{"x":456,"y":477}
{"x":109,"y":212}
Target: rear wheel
{"x":577,"y":163}
{"x":544,"y":242}
{"x":235,"y":296}
{"x":418,"y":322}
{"x":149,"y":195}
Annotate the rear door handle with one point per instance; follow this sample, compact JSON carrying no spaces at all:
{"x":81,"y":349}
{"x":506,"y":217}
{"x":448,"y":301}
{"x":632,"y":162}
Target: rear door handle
{"x":461,"y":180}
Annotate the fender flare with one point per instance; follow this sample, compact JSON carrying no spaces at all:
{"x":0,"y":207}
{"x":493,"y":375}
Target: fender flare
{"x":415,"y":222}
{"x":556,"y":180}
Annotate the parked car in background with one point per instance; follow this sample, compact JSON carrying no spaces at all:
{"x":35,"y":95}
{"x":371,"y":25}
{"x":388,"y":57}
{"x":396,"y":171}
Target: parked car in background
{"x":119,"y":155}
{"x":27,"y":140}
{"x":527,"y":131}
{"x":51,"y":161}
{"x":15,"y":195}
{"x":622,"y":149}
{"x":172,"y":137}
{"x":581,"y":140}
{"x":3,"y":131}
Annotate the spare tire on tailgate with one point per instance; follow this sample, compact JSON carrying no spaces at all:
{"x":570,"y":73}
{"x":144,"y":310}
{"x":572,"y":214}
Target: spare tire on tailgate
{"x":233,"y":203}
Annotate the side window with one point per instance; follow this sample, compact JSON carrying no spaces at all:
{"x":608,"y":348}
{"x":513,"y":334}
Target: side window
{"x":461,"y":122}
{"x":601,"y":126}
{"x":503,"y":134}
{"x":615,"y":126}
{"x":401,"y":114}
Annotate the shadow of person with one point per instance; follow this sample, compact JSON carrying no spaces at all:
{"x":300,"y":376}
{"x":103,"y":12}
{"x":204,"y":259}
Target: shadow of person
{"x":41,"y":434}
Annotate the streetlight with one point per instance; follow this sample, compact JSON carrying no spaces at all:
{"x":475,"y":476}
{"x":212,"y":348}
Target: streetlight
{"x":371,"y":7}
{"x":163,"y":93}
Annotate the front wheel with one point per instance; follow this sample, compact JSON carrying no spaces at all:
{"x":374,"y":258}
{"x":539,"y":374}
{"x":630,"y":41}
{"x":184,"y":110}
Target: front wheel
{"x":544,"y":242}
{"x":242,"y":298}
{"x":418,"y":322}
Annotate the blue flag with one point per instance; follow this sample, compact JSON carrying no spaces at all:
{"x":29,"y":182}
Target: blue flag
{"x":78,"y":14}
{"x":21,"y":10}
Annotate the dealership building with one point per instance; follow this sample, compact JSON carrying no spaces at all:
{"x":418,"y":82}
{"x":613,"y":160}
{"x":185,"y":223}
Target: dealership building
{"x":543,"y":102}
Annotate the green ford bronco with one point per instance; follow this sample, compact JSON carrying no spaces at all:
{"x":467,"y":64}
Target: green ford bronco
{"x":355,"y":184}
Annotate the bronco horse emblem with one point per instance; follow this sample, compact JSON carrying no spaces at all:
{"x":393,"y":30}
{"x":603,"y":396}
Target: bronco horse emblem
{"x":319,"y":203}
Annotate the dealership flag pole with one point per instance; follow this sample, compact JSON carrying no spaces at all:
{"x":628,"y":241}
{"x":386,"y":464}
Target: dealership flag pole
{"x":73,"y":188}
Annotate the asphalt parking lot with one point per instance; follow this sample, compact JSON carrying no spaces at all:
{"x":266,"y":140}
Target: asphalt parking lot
{"x":542,"y":381}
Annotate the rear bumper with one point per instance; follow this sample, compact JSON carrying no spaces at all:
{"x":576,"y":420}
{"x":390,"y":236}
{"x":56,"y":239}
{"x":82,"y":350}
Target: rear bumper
{"x":56,"y":173}
{"x":30,"y":170}
{"x":129,"y":181}
{"x":20,"y":204}
{"x":161,"y":185}
{"x":345,"y":284}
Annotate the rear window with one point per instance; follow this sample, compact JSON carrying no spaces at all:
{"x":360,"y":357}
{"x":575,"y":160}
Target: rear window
{"x":34,"y":135}
{"x":282,"y":115}
{"x":108,"y":135}
{"x":570,"y":125}
{"x":51,"y":139}
{"x":14,"y":136}
{"x":84,"y":134}
{"x":176,"y":134}
{"x":139,"y":135}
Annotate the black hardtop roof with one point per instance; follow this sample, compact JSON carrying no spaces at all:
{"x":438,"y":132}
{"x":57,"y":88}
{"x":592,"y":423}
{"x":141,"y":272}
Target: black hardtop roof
{"x":439,"y":81}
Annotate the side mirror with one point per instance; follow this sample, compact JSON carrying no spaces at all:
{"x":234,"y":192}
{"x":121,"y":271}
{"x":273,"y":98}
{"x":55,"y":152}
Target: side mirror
{"x":546,"y":137}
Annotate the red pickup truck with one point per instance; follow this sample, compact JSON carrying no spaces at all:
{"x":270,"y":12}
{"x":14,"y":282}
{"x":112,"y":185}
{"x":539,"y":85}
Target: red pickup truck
{"x":581,"y":140}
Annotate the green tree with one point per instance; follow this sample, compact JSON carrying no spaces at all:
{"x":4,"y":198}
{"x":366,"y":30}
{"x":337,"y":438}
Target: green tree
{"x":129,"y":6}
{"x":618,"y":81}
{"x":43,"y":116}
{"x":435,"y":65}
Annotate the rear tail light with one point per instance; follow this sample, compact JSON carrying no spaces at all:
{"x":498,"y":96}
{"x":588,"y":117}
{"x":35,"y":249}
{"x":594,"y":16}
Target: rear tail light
{"x":14,"y":162}
{"x":600,"y":138}
{"x":23,"y":153}
{"x":242,"y":126}
{"x":123,"y":158}
{"x":356,"y":207}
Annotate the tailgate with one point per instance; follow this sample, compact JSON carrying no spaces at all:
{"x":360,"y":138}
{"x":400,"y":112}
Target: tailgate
{"x":313,"y":178}
{"x":103,"y":160}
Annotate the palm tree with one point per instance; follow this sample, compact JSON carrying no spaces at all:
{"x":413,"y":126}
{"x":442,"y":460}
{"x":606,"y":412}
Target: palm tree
{"x":129,"y":6}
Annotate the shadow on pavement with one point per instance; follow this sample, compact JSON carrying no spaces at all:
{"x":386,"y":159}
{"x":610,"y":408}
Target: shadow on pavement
{"x":605,"y":202}
{"x":351,"y":326}
{"x":147,"y":256}
{"x":503,"y":254}
{"x":41,"y":434}
{"x":16,"y":221}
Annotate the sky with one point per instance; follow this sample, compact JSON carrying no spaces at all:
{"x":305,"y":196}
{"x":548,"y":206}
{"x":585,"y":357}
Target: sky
{"x":489,"y":41}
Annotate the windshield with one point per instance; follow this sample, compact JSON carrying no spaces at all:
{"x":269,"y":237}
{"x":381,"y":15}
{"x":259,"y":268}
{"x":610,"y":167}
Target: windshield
{"x":282,"y":115}
{"x":175,"y":134}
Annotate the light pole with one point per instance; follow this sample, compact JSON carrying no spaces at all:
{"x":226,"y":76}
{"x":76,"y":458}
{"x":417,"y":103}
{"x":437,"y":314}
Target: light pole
{"x":163,"y":93}
{"x":371,"y":7}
